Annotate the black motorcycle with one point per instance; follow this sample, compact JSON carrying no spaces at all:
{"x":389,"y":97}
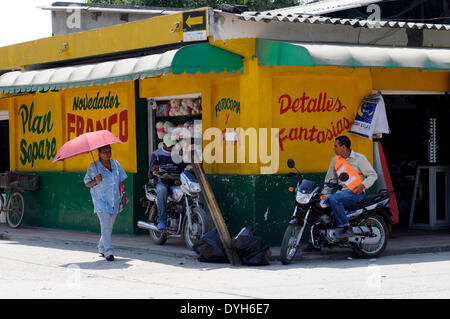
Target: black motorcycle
{"x":185,"y":215}
{"x":368,"y":220}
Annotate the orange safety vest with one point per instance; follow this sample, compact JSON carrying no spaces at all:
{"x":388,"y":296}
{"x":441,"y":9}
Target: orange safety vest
{"x":354,"y":178}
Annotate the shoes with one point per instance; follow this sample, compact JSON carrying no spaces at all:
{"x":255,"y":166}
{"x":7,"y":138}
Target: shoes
{"x":102,"y":254}
{"x":161,"y":226}
{"x":310,"y":248}
{"x":110,"y":258}
{"x":344,"y":232}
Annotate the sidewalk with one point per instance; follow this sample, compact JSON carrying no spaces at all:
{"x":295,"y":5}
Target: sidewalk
{"x":403,"y":241}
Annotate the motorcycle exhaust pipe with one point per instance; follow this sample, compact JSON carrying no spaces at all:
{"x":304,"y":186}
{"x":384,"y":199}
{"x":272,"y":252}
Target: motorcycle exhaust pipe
{"x":147,"y":226}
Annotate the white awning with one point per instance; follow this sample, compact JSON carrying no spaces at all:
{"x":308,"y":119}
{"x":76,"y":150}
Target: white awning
{"x":271,"y":53}
{"x":191,"y":59}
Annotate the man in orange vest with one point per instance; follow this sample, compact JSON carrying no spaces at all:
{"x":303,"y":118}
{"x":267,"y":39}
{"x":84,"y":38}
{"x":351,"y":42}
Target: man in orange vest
{"x":361,"y":177}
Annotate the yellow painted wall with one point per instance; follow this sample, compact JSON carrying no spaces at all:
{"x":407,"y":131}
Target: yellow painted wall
{"x":204,"y":84}
{"x":145,"y":33}
{"x":312,"y":106}
{"x":37,"y":132}
{"x":226,"y":116}
{"x":410,"y":80}
{"x":41,"y":123}
{"x":4,"y":104}
{"x":257,"y":92}
{"x":260,"y":89}
{"x":330,"y":97}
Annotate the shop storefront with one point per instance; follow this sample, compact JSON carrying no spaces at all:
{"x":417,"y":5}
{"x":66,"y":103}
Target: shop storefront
{"x":44,"y":113}
{"x":257,"y":104}
{"x":309,"y":102}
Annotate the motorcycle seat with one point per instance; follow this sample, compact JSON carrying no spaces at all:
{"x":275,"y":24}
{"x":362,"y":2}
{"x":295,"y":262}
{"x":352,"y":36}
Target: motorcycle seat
{"x":368,"y":200}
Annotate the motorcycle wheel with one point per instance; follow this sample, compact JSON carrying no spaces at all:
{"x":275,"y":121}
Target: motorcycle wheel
{"x":373,"y":250}
{"x":199,"y":227}
{"x":159,"y":238}
{"x":288,"y":248}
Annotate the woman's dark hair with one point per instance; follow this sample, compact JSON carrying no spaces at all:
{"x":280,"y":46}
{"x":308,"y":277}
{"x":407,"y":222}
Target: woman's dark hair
{"x":344,"y":140}
{"x":100,"y":148}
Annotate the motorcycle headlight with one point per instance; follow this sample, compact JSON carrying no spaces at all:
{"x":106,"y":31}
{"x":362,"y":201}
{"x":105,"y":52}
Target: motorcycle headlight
{"x":189,"y":183}
{"x":303,"y":198}
{"x":177,"y":194}
{"x":194,"y":188}
{"x":191,"y":188}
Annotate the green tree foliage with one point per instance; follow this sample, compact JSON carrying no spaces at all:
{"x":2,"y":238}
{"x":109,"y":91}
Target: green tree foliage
{"x":254,"y":5}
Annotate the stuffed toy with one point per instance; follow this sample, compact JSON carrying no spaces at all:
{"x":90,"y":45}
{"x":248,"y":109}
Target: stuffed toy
{"x":160,"y":130}
{"x":198,"y":129}
{"x":189,"y":126}
{"x":187,"y":105}
{"x":197,"y":107}
{"x":168,"y":127}
{"x":163,"y":110}
{"x":175,"y":108}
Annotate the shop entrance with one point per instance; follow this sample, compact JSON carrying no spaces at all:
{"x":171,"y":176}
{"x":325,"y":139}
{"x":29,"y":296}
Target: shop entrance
{"x":180,"y":115}
{"x":418,"y":126}
{"x":4,"y":141}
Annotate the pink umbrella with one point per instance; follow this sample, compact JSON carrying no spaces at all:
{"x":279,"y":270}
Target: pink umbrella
{"x":86,"y":143}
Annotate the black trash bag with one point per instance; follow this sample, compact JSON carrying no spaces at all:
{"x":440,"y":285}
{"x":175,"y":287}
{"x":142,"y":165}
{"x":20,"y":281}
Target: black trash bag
{"x":210,"y":248}
{"x":251,"y":249}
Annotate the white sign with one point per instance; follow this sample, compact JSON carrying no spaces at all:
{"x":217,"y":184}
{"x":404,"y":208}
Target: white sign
{"x":194,"y":36}
{"x":371,"y":117}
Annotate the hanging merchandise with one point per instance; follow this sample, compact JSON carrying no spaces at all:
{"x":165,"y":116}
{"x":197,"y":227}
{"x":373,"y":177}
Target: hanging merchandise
{"x":180,"y":116}
{"x":160,"y":130}
{"x":197,"y":107}
{"x":163,"y":109}
{"x":371,"y":117}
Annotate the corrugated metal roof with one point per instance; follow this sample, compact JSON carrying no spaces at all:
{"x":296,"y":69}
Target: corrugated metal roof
{"x":323,"y":7}
{"x":302,"y":18}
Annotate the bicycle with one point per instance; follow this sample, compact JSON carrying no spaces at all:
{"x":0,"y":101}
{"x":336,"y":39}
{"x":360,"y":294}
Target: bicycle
{"x":12,"y":201}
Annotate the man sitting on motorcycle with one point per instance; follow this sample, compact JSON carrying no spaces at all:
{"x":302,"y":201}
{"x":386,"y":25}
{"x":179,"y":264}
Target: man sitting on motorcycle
{"x":161,"y":161}
{"x":361,"y":177}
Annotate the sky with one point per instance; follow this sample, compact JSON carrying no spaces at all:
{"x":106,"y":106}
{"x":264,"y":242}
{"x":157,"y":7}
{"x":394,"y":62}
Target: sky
{"x":22,"y":21}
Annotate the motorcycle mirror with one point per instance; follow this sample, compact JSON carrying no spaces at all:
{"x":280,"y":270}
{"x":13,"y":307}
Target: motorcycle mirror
{"x":344,"y":177}
{"x":290,"y":163}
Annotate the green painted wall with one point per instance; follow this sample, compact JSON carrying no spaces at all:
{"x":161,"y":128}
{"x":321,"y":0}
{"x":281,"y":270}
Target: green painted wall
{"x":64,"y":202}
{"x":261,"y":201}
{"x":140,"y":178}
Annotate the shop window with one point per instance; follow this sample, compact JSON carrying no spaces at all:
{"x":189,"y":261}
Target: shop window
{"x":179,"y":115}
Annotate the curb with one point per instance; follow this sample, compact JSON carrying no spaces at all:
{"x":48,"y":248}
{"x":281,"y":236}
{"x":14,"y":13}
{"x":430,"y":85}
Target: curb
{"x":163,"y":251}
{"x":348,"y":253}
{"x":325,"y":254}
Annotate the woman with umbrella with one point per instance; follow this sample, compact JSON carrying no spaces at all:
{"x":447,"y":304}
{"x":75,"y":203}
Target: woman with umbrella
{"x":103,"y":178}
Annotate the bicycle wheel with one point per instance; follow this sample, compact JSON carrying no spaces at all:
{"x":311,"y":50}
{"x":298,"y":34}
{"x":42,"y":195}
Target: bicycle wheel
{"x":15,"y":210}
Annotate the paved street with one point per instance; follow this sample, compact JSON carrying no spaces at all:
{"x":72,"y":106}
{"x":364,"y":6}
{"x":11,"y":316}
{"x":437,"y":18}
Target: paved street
{"x":56,"y":269}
